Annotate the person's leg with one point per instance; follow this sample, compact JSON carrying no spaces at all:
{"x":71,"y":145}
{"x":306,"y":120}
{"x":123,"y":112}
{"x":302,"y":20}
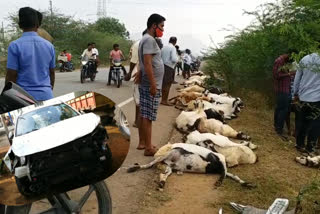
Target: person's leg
{"x":283,"y":101}
{"x":165,"y":95}
{"x":301,"y":129}
{"x":109,"y":75}
{"x":314,"y":126}
{"x":124,"y":70}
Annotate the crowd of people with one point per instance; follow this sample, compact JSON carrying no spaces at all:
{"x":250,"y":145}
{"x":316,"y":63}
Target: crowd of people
{"x":297,"y":89}
{"x":155,"y":66}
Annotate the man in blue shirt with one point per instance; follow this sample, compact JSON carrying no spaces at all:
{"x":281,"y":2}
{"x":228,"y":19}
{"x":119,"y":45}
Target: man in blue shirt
{"x":31,"y":59}
{"x":307,"y":91}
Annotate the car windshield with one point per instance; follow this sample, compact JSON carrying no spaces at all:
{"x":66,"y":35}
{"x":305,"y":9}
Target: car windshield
{"x":43,"y":117}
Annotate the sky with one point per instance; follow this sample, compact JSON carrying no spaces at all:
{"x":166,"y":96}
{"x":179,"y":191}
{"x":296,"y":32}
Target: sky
{"x":196,"y":23}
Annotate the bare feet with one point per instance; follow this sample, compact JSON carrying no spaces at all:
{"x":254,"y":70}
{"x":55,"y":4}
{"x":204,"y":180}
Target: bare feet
{"x":166,"y":103}
{"x":142,"y":147}
{"x":150,"y":152}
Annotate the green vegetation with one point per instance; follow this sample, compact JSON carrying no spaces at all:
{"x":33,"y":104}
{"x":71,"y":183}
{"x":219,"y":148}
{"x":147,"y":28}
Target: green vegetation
{"x":246,"y":59}
{"x":74,"y":35}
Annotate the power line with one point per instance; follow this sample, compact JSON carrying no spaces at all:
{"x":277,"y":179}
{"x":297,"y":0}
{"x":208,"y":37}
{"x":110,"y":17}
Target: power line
{"x":102,"y":9}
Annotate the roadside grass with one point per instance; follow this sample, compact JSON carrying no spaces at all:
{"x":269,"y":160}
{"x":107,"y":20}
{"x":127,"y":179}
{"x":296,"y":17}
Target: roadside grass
{"x":276,"y":173}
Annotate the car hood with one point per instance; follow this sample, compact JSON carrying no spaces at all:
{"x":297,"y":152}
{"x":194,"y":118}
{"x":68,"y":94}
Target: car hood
{"x":54,"y":135}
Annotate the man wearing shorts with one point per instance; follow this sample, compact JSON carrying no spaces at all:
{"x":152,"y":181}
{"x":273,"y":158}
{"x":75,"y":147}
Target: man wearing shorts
{"x":151,"y":75}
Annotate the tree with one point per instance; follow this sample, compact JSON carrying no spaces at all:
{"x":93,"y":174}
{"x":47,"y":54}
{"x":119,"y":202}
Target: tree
{"x":111,"y":26}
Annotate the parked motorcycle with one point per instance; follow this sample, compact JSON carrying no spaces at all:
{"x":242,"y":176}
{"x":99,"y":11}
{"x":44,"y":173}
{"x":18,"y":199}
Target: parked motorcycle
{"x":64,"y":65}
{"x":12,"y":98}
{"x":116,"y":73}
{"x":88,"y":69}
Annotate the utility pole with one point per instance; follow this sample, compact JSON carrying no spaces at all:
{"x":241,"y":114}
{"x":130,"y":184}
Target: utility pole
{"x":101,"y":9}
{"x":2,"y":31}
{"x":51,"y":10}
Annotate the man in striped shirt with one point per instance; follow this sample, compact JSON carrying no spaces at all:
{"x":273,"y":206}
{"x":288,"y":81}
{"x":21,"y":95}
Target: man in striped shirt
{"x":282,"y":85}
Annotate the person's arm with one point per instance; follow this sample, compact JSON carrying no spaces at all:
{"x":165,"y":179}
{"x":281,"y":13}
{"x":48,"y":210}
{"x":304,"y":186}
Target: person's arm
{"x":52,"y":77}
{"x":83,"y":53}
{"x":110,"y":58}
{"x":296,"y":83}
{"x":122,"y":56}
{"x":128,"y":76}
{"x":174,"y":56}
{"x":12,"y":64}
{"x":11,"y":76}
{"x":51,"y":68}
{"x":149,"y":72}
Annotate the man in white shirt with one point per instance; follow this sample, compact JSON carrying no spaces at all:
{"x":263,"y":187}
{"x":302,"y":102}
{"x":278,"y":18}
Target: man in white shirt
{"x":95,"y":53}
{"x":170,"y":59}
{"x":187,"y":64}
{"x":134,"y":64}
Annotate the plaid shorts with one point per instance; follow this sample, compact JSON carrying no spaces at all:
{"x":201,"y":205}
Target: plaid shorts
{"x":148,"y":104}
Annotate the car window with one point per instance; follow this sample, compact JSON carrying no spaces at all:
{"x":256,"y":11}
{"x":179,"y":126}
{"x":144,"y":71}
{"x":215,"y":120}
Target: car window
{"x":43,"y":117}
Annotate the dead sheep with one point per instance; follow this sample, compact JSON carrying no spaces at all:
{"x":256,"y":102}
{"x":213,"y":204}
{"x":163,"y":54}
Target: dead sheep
{"x":185,"y":121}
{"x":183,"y":157}
{"x":214,"y":126}
{"x":309,"y":161}
{"x":234,"y":153}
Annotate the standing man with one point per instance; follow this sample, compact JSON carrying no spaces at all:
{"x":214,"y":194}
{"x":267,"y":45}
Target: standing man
{"x":282,"y":80}
{"x":31,"y":59}
{"x":151,"y":75}
{"x":186,"y":64}
{"x":307,"y":91}
{"x":170,"y":58}
{"x":134,"y":61}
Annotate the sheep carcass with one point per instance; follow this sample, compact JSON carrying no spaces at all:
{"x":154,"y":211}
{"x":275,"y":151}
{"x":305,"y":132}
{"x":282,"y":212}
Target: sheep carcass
{"x":309,"y":161}
{"x":186,"y":119}
{"x":234,"y":153}
{"x":217,"y":127}
{"x":189,"y":158}
{"x":194,"y":88}
{"x":210,"y":112}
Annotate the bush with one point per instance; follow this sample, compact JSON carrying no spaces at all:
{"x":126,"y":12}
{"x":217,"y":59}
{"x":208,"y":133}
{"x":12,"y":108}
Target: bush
{"x":246,"y":59}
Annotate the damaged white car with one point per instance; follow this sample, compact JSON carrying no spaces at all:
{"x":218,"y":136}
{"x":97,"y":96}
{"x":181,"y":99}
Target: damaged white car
{"x":56,"y":149}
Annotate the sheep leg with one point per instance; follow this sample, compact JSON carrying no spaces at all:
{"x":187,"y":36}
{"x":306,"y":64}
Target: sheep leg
{"x":137,"y":166}
{"x":164,"y":176}
{"x":239,"y":180}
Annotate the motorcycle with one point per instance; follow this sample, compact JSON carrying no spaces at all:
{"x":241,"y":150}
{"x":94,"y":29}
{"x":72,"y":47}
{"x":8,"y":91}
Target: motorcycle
{"x":88,"y":69}
{"x":64,"y":65}
{"x":12,"y":98}
{"x":116,"y":73}
{"x":195,"y":65}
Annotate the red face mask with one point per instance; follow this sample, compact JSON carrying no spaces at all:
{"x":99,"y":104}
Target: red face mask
{"x":159,"y":32}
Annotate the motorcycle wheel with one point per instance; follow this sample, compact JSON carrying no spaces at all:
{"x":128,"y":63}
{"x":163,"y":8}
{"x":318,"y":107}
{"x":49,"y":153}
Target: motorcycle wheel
{"x":118,"y":80}
{"x":82,"y":76}
{"x":63,"y":203}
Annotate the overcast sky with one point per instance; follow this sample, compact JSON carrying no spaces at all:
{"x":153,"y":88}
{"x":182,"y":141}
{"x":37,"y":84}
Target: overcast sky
{"x":192,"y":21}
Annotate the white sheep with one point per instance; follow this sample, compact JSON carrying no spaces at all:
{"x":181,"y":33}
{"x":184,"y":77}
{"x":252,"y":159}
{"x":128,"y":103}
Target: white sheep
{"x":214,"y":126}
{"x":186,"y":119}
{"x":309,"y":161}
{"x":234,"y":153}
{"x":189,"y":158}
